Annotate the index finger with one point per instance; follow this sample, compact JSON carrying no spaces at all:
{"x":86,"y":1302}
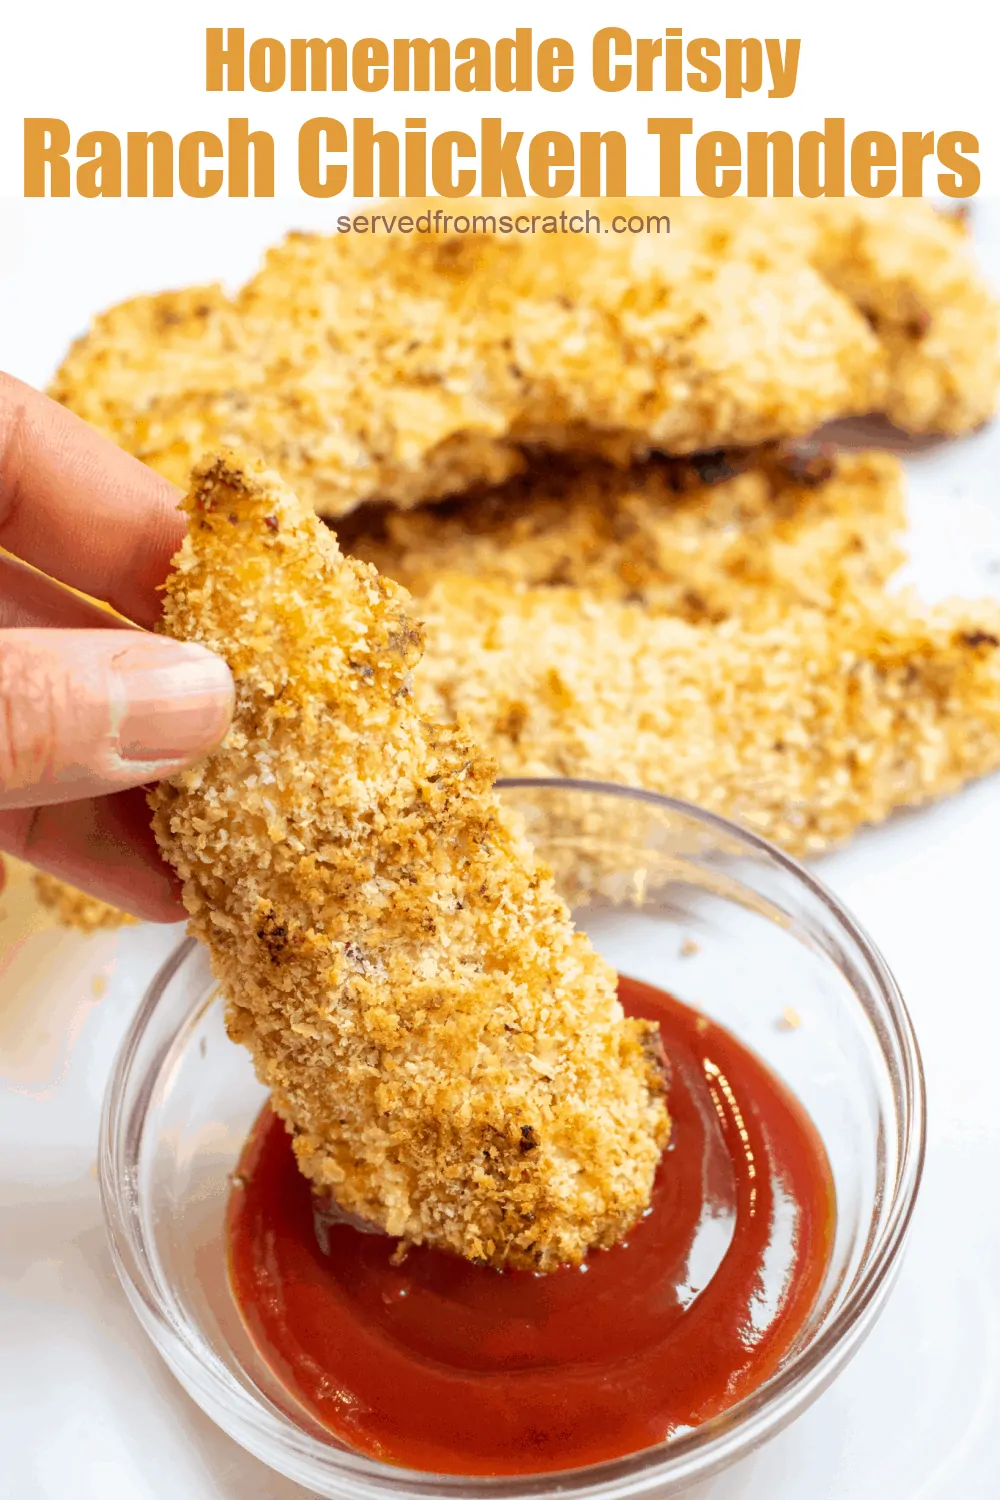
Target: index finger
{"x":75,"y":505}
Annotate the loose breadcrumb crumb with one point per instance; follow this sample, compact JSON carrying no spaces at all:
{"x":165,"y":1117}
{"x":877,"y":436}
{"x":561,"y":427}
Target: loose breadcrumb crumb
{"x":73,"y":908}
{"x":789,"y":1020}
{"x":448,"y":1053}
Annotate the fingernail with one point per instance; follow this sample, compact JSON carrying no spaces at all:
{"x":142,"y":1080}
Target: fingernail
{"x":177,"y":700}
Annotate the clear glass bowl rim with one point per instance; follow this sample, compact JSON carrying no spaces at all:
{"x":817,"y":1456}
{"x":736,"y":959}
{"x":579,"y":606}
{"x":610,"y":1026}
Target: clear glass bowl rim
{"x":693,"y":1455}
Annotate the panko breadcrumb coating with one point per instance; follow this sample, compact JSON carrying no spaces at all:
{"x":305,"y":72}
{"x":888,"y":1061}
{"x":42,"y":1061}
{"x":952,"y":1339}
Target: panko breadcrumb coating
{"x":723,"y":533}
{"x":804,"y":728}
{"x":909,"y":269}
{"x":410,"y":367}
{"x":73,"y":908}
{"x":448,"y":1053}
{"x":912,"y":272}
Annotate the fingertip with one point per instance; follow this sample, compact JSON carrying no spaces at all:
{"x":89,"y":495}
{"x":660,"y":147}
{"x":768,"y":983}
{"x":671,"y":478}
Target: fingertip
{"x":177,"y":700}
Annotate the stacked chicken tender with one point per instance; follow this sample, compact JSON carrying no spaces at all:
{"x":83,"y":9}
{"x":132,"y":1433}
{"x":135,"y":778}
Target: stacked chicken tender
{"x":588,"y":459}
{"x":703,"y":537}
{"x":409,"y":367}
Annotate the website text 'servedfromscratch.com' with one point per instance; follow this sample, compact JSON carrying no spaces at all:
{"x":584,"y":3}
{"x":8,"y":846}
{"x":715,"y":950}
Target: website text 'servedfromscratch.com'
{"x":437,"y":221}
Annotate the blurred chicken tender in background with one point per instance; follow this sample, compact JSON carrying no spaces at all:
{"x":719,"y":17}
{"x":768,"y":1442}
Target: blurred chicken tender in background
{"x":410,"y":367}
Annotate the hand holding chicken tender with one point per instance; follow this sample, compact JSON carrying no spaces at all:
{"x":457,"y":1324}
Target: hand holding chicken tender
{"x":447,"y":1051}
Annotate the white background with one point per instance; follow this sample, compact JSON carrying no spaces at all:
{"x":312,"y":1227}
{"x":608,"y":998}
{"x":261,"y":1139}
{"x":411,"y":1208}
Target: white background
{"x":86,"y":1409}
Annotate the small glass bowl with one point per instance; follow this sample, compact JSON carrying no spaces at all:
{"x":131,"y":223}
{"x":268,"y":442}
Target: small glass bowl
{"x":671,"y":895}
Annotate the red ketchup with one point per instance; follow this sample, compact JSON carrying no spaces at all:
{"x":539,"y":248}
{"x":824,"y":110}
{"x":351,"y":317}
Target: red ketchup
{"x":440,"y":1365}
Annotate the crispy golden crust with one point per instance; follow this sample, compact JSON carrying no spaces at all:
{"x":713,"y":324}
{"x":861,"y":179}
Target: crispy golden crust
{"x":73,"y":908}
{"x":907,"y":268}
{"x":804,"y":729}
{"x":912,"y":272}
{"x":448,"y":1052}
{"x":407,"y":368}
{"x":411,"y":367}
{"x":728,"y":532}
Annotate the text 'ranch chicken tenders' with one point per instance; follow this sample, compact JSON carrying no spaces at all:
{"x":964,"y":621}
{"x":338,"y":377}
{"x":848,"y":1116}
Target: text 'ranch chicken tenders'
{"x":406,"y":367}
{"x":448,"y":1051}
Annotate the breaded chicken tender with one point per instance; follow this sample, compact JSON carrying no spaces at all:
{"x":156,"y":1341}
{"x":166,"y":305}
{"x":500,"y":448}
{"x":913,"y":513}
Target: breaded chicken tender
{"x":447,"y":1051}
{"x":76,"y":909}
{"x":803,"y":729}
{"x":728,"y":532}
{"x":910,"y":271}
{"x":411,"y":367}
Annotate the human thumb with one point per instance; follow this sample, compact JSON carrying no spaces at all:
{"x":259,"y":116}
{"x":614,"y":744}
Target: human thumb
{"x":84,"y":712}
